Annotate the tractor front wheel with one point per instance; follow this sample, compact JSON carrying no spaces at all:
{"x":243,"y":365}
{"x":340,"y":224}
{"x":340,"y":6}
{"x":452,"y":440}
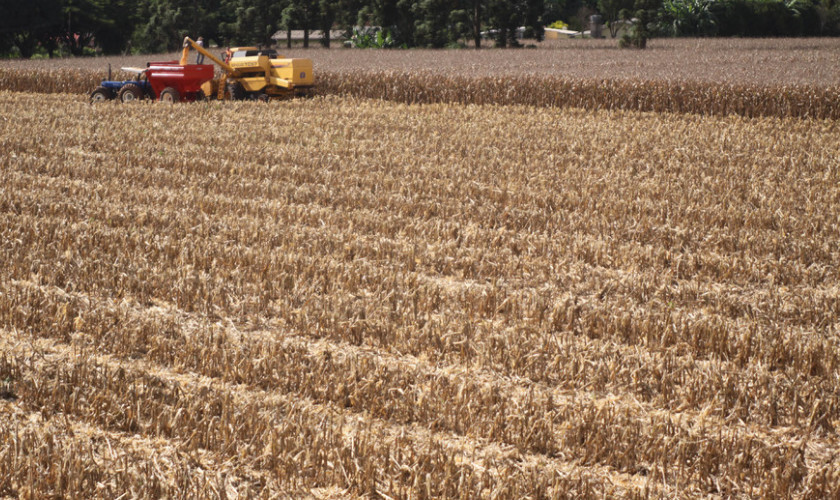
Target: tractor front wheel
{"x":130,"y":92}
{"x":101,"y":94}
{"x":169,"y":95}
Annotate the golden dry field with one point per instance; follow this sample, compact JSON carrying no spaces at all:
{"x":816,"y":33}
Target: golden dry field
{"x":340,"y":298}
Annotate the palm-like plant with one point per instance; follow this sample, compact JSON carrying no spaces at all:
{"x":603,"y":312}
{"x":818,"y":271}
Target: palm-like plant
{"x":691,"y":17}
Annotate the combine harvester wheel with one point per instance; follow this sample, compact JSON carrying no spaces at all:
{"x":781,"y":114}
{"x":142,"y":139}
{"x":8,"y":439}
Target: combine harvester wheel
{"x":236,"y":91}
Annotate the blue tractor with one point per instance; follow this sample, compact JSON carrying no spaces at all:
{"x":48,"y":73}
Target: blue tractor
{"x":126,"y":90}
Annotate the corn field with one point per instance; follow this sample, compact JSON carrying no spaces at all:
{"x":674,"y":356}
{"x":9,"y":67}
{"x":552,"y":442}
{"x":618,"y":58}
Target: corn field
{"x":346,"y":297}
{"x":775,"y":62}
{"x":803,"y":101}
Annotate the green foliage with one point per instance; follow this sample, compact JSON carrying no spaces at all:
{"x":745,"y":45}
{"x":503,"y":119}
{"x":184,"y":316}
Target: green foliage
{"x":611,"y":11}
{"x":371,"y":38}
{"x":690,"y":17}
{"x":162,"y":24}
{"x":299,"y":14}
{"x":254,"y":21}
{"x":394,"y":16}
{"x":773,"y":18}
{"x":161,"y":32}
{"x":326,"y":18}
{"x":432,"y":26}
{"x":25,"y":25}
{"x":830,"y":18}
{"x":46,"y":27}
{"x":554,"y":10}
{"x":505,"y":17}
{"x":644,"y":20}
{"x":558,"y":25}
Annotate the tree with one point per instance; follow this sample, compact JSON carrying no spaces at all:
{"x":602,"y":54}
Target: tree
{"x":164,"y":29}
{"x":394,"y":16}
{"x":255,"y":22}
{"x":646,"y":12}
{"x":432,"y":26}
{"x":347,"y":14}
{"x":477,"y":18}
{"x":25,"y":25}
{"x":505,"y":17}
{"x":461,"y":23}
{"x":300,"y":14}
{"x":82,"y":19}
{"x":690,"y":17}
{"x":533,"y":22}
{"x":611,"y":10}
{"x":554,"y":11}
{"x":119,"y":18}
{"x":327,"y":12}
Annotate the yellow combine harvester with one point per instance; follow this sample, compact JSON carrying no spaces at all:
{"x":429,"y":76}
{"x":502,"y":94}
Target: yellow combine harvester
{"x":252,"y":73}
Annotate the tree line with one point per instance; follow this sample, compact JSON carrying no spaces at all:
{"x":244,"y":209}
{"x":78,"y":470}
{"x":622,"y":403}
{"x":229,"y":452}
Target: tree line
{"x":116,"y":26}
{"x":77,"y":27}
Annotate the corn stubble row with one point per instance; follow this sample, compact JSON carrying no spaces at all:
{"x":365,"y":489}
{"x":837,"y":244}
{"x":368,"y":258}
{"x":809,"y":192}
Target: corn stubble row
{"x":681,"y":96}
{"x":417,"y":301}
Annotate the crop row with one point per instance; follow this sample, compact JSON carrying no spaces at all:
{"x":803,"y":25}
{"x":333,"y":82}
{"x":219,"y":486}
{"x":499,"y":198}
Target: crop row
{"x":291,"y":441}
{"x":705,"y":98}
{"x":532,"y":417}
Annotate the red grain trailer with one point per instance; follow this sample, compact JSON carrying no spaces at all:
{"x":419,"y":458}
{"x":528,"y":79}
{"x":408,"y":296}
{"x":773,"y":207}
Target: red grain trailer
{"x":172,"y":82}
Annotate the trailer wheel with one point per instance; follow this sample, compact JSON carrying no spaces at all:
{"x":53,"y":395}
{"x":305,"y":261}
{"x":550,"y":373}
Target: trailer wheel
{"x":101,"y":94}
{"x":130,"y":92}
{"x":169,"y":95}
{"x":236,"y":91}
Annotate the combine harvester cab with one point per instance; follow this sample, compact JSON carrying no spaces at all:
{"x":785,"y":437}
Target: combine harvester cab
{"x":167,"y":81}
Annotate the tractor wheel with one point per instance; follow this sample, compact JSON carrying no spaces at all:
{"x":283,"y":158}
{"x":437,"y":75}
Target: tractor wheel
{"x":169,"y":95}
{"x":130,"y":92}
{"x":236,"y":91}
{"x":101,"y":94}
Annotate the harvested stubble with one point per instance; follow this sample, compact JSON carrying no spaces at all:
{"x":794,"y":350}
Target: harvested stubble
{"x":422,"y":301}
{"x":705,"y":98}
